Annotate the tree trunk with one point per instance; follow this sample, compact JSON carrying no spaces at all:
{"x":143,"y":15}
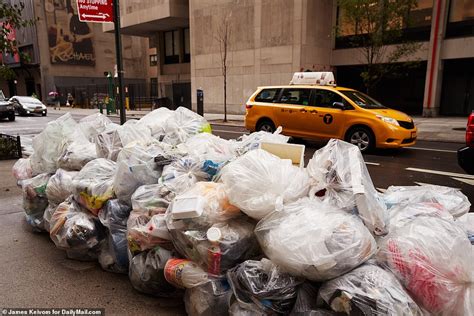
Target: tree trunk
{"x":225,"y":97}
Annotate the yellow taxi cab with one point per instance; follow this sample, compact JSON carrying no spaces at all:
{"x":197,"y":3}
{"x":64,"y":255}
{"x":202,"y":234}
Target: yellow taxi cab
{"x":312,"y":106}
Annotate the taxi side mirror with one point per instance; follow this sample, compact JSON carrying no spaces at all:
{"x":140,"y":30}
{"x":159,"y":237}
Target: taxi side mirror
{"x":338,"y":105}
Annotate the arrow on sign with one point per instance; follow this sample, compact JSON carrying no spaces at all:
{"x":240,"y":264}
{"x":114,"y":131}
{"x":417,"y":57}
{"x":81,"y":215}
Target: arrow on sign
{"x":100,"y":16}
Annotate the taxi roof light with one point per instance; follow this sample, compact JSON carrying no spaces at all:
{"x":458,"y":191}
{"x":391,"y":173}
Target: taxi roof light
{"x":325,"y":78}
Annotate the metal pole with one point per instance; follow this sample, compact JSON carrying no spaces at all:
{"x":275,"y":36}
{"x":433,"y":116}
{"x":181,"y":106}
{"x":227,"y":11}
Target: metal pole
{"x":118,"y":52}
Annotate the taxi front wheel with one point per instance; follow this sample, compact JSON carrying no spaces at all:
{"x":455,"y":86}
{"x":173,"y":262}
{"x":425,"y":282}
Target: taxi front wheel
{"x":266,"y":126}
{"x":361,"y":137}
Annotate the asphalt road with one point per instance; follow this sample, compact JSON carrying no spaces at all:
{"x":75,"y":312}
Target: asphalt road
{"x":37,"y":274}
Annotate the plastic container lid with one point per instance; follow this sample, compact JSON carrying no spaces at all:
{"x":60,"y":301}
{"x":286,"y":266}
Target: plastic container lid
{"x":214,"y":234}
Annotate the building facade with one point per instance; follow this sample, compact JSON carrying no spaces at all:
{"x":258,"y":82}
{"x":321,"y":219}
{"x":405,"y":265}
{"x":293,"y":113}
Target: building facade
{"x":69,"y":56}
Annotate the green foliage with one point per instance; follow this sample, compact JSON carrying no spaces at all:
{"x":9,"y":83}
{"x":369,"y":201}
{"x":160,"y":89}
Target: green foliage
{"x":378,"y":26}
{"x":10,"y":17}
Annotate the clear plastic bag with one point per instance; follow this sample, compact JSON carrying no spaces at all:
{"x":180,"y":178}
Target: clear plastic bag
{"x":433,"y":259}
{"x":146,"y":273}
{"x":93,"y":185}
{"x":208,"y":299}
{"x":113,"y":255}
{"x":22,"y":169}
{"x":264,"y":285}
{"x":338,"y":170}
{"x":48,"y":214}
{"x":74,"y":229}
{"x":110,"y":142}
{"x":155,"y":121}
{"x":77,"y":154}
{"x":48,"y":144}
{"x":183,"y":273}
{"x":401,"y":214}
{"x":183,"y":124}
{"x":210,"y":147}
{"x":259,"y":182}
{"x":236,"y":310}
{"x":152,"y":197}
{"x":59,"y":186}
{"x":211,"y":232}
{"x":466,"y":222}
{"x":93,"y":124}
{"x":368,"y":290}
{"x":306,"y":302}
{"x":35,"y":200}
{"x":183,"y":173}
{"x":314,"y":240}
{"x":453,"y":200}
{"x":136,"y":167}
{"x":250,"y":142}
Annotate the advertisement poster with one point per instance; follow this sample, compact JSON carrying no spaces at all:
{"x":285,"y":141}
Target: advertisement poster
{"x":70,"y":40}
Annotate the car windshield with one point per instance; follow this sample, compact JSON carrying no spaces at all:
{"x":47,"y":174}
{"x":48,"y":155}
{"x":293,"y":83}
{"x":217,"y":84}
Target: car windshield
{"x":363,"y":100}
{"x":29,"y":100}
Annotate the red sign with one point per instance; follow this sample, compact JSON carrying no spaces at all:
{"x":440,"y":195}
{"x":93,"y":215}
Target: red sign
{"x":99,"y":11}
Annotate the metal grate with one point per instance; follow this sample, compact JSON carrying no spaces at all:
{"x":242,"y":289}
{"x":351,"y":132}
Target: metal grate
{"x":10,"y":147}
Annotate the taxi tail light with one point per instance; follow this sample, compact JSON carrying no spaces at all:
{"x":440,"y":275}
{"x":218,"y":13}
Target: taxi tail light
{"x":470,"y":131}
{"x":248,"y":106}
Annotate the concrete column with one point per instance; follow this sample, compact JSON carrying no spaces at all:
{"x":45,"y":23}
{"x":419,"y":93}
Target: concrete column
{"x":434,"y":69}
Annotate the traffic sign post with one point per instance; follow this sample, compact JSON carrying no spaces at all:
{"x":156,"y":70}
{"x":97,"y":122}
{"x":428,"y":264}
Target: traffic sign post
{"x":104,"y":11}
{"x":100,"y":11}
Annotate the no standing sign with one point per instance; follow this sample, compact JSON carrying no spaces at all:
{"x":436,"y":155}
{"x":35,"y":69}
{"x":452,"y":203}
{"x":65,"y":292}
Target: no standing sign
{"x":99,"y":11}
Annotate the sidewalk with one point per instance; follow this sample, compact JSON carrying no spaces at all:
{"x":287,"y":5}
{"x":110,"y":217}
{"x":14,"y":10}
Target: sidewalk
{"x":438,"y":129}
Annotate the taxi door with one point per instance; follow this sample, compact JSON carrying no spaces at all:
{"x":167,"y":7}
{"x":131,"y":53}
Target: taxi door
{"x":328,"y":121}
{"x":292,"y":109}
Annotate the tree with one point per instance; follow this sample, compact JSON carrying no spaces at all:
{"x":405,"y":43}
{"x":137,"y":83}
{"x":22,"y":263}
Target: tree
{"x":222,"y":36}
{"x":10,"y":20}
{"x":378,"y":27}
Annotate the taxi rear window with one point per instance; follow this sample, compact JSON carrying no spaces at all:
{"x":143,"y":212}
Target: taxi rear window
{"x":267,"y":95}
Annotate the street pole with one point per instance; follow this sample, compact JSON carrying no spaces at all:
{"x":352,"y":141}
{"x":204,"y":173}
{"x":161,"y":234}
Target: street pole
{"x":118,"y":52}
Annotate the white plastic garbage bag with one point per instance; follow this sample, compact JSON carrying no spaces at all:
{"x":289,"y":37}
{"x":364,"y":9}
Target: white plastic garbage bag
{"x":48,"y":145}
{"x":76,"y":154}
{"x":401,"y":214}
{"x":210,"y":147}
{"x":93,"y":185}
{"x":155,"y":121}
{"x":259,"y":182}
{"x":59,"y":186}
{"x":22,"y":169}
{"x":136,"y":167}
{"x":338,"y":170}
{"x":183,"y":124}
{"x":368,"y":290}
{"x":314,"y":240}
{"x":250,"y":142}
{"x":93,"y":124}
{"x":453,"y":200}
{"x":466,"y":222}
{"x":433,"y":259}
{"x":110,"y":142}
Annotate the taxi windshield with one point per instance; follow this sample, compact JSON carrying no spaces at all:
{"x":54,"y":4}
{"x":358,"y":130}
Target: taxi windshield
{"x":363,"y":100}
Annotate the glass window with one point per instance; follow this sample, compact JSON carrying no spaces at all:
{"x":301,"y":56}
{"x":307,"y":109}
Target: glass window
{"x":187,"y":47}
{"x":267,"y":95}
{"x":363,"y":100}
{"x":295,"y":96}
{"x":153,"y":60}
{"x":461,"y":18}
{"x":326,"y":98}
{"x":171,"y":47}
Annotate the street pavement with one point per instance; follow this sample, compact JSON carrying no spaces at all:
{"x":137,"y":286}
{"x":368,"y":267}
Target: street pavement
{"x":37,"y":274}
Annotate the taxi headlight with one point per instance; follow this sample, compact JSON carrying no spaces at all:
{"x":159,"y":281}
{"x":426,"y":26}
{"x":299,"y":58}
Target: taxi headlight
{"x":388,"y":120}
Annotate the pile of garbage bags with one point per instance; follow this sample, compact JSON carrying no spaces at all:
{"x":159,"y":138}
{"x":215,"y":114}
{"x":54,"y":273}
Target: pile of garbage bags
{"x":235,"y":230}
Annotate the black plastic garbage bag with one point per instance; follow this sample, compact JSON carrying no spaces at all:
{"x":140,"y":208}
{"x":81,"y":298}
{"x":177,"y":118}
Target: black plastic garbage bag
{"x":263,"y":287}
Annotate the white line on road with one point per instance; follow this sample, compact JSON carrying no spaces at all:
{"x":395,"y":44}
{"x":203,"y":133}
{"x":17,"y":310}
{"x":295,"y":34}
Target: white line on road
{"x":443,"y":173}
{"x":423,"y":183}
{"x":372,"y":163}
{"x":432,"y":149}
{"x":471,"y":182}
{"x":231,"y":132}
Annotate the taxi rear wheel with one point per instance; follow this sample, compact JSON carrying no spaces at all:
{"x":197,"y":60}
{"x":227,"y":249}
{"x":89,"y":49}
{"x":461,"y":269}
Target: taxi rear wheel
{"x":361,"y":137}
{"x":266,"y":126}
